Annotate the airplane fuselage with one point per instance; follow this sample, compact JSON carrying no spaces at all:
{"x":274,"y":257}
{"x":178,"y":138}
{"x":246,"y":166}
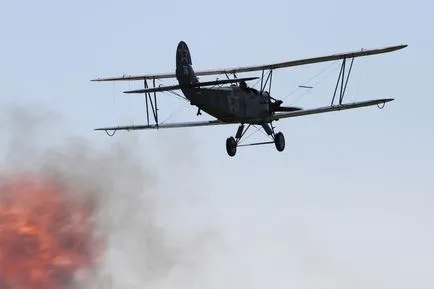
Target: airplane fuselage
{"x":233,"y":103}
{"x":229,"y":103}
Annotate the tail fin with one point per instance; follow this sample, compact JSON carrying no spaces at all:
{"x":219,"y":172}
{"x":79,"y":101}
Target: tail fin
{"x":184,"y":70}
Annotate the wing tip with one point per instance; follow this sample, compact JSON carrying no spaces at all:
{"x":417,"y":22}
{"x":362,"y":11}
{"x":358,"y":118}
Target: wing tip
{"x":112,"y":79}
{"x":133,"y":91}
{"x":399,"y":47}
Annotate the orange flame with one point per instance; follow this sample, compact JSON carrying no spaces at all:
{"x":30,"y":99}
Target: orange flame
{"x":46,"y":234}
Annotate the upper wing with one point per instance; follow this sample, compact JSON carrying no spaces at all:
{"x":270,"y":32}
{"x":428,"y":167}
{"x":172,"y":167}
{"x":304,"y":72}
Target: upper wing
{"x":362,"y":52}
{"x":302,"y":112}
{"x":168,"y":125}
{"x":137,"y":77}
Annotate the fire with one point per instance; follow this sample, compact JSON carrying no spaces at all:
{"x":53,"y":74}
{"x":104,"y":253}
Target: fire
{"x":46,"y":234}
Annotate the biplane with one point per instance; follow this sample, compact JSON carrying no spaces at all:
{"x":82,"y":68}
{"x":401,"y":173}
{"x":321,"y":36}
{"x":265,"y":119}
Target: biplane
{"x":238,"y":103}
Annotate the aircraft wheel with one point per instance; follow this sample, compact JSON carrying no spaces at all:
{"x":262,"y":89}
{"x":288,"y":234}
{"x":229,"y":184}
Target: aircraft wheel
{"x":279,"y":141}
{"x":231,"y":146}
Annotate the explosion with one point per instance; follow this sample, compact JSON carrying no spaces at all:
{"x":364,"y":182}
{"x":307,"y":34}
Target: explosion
{"x":47,"y":236}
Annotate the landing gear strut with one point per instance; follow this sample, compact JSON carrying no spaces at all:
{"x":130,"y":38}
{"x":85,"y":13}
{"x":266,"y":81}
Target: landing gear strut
{"x":233,"y":142}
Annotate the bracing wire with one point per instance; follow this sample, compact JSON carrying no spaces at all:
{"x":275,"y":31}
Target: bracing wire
{"x":309,"y":80}
{"x":251,"y":134}
{"x":178,"y":95}
{"x":256,"y":83}
{"x":313,"y":85}
{"x":180,"y":106}
{"x":173,"y":113}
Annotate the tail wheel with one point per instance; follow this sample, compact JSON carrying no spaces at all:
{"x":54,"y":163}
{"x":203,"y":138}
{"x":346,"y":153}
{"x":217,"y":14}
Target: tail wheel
{"x":279,"y":141}
{"x":231,"y":146}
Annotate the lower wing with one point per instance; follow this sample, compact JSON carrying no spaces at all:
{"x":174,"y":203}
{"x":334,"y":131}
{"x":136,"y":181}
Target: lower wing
{"x":325,"y":109}
{"x":297,"y":112}
{"x":165,"y":125}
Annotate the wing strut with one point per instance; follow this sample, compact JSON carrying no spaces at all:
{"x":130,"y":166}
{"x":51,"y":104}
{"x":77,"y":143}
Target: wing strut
{"x":152,"y":103}
{"x":340,"y":81}
{"x":267,"y":80}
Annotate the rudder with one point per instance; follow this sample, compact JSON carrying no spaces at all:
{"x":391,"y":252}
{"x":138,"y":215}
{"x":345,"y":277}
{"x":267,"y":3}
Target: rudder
{"x":184,"y":70}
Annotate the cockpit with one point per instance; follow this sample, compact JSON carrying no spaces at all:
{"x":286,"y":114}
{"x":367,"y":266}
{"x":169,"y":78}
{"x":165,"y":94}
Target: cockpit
{"x":243,"y":86}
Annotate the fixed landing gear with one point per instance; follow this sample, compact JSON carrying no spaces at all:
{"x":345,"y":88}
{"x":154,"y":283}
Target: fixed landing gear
{"x":233,"y":142}
{"x":231,"y":146}
{"x":279,"y":141}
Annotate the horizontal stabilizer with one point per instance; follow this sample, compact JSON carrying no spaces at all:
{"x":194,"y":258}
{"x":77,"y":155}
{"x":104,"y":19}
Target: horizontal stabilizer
{"x":192,"y":85}
{"x":286,"y":108}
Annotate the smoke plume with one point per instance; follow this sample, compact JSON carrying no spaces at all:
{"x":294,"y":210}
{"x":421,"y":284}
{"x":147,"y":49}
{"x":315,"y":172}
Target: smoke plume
{"x":140,"y":249}
{"x":143,"y":214}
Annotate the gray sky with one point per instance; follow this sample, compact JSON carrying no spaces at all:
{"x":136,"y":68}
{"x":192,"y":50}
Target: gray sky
{"x":348,"y":204}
